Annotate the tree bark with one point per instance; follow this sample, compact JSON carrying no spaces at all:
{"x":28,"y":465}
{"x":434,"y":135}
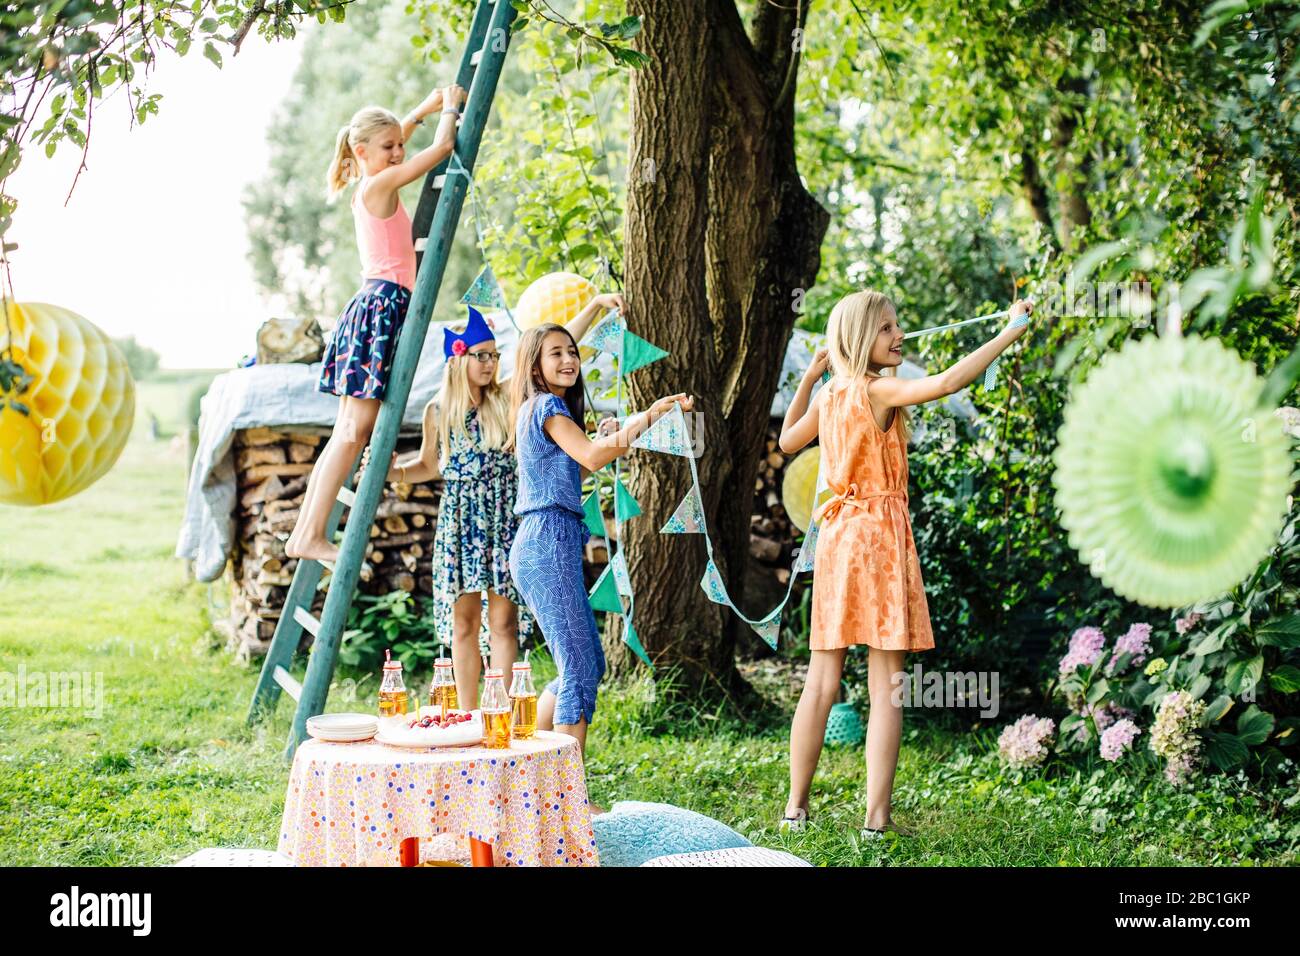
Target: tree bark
{"x":720,"y":235}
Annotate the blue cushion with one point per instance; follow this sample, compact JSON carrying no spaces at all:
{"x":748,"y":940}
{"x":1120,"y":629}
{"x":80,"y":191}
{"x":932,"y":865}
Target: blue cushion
{"x":633,"y":832}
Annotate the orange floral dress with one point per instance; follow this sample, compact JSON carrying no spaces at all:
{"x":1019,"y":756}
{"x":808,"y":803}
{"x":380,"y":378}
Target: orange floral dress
{"x":866,"y":574}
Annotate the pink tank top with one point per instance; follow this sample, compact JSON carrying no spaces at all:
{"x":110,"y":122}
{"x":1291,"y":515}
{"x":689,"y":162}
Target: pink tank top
{"x":386,"y":247}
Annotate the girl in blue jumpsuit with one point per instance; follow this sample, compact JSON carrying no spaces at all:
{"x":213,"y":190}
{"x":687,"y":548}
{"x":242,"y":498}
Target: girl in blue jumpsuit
{"x":554,"y":455}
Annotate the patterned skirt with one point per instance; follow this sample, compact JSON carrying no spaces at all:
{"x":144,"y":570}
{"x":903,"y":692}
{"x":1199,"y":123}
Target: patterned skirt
{"x":471,"y":548}
{"x":359,"y":356}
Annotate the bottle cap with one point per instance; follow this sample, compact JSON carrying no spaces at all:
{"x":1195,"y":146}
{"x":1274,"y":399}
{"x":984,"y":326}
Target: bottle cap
{"x":492,"y":672}
{"x":442,"y":662}
{"x":389,"y":663}
{"x":522,"y":666}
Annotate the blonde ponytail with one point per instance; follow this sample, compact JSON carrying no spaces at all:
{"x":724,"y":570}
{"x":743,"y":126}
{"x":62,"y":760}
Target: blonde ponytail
{"x":345,"y":168}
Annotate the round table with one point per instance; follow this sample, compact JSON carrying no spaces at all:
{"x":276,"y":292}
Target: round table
{"x":368,"y":804}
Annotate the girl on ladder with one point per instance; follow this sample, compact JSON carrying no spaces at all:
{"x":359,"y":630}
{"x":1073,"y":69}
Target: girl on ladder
{"x":358,"y":358}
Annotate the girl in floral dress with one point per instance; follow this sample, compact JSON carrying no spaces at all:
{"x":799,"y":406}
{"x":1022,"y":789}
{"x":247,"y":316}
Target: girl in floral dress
{"x":468,"y":442}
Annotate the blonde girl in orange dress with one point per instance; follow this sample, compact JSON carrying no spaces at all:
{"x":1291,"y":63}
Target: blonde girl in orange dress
{"x":866,"y":575}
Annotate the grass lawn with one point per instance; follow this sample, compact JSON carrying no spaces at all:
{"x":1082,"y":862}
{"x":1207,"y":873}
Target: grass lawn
{"x":90,"y":585}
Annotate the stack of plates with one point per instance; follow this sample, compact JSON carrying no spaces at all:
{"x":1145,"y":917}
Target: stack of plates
{"x":343,"y":728}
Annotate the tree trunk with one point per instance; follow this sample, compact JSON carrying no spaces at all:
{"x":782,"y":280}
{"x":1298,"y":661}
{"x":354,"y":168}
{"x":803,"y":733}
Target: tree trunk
{"x":720,"y":237}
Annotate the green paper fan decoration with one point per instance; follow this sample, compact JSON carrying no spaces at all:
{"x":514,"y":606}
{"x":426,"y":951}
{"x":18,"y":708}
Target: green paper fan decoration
{"x":1170,"y":477}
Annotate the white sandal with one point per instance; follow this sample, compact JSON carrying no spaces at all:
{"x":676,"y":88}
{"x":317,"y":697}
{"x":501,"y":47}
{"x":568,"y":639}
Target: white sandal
{"x":796,"y":822}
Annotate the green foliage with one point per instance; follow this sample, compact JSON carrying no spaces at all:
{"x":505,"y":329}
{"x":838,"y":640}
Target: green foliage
{"x":140,"y":359}
{"x":392,"y":621}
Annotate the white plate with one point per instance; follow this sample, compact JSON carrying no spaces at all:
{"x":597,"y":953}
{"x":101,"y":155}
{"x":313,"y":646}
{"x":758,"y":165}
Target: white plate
{"x":342,"y":728}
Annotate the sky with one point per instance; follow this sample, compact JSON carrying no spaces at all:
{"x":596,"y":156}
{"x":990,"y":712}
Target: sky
{"x":152,"y":242}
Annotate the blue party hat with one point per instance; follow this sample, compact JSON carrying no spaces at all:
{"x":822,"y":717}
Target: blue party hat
{"x":475,"y":332}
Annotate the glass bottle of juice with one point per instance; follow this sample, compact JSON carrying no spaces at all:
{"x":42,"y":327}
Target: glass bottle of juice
{"x":523,"y":700}
{"x":495,"y":705}
{"x":392,"y":690}
{"x":442,"y":692}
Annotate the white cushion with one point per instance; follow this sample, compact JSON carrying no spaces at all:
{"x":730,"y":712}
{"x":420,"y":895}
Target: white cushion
{"x":737,"y":856}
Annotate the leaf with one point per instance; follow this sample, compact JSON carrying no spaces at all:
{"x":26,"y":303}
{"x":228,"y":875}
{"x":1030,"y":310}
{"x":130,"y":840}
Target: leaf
{"x":629,"y":28}
{"x":1097,"y":691}
{"x":212,"y":53}
{"x":1254,"y":725}
{"x":1225,"y":751}
{"x":1280,"y":632}
{"x":1199,"y":687}
{"x":1218,"y":708}
{"x":1243,"y":674}
{"x":1285,"y":679}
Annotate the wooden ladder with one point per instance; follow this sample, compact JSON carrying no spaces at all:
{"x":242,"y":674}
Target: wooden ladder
{"x":434,"y":227}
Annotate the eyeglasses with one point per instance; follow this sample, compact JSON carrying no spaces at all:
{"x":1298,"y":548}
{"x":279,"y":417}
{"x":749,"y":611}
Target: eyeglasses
{"x":485,"y":357}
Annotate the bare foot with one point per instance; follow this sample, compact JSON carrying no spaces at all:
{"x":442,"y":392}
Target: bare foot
{"x":595,"y":810}
{"x":318,"y":550}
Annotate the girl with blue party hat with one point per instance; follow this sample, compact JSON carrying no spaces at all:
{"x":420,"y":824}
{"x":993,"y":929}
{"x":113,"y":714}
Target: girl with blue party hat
{"x":358,"y":358}
{"x":468,"y":441}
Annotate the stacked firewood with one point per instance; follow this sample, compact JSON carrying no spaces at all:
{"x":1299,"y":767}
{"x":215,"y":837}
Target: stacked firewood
{"x":273,"y":466}
{"x":771,"y":532}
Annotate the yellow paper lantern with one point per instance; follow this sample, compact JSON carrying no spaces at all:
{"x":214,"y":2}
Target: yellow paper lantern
{"x":557,"y":298}
{"x":799,"y":487}
{"x":81,"y":402}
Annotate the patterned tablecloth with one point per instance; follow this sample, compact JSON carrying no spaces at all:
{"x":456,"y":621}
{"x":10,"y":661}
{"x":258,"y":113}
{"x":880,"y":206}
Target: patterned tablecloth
{"x":351,"y":804}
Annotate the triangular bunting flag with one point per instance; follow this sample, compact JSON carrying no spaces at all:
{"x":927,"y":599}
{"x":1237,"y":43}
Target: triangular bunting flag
{"x":592,"y":517}
{"x":607,"y":335}
{"x":713,"y":586}
{"x":638,"y":353}
{"x":625,"y":505}
{"x":688,"y":518}
{"x":485,"y":291}
{"x":621,"y":580}
{"x":770,"y":628}
{"x":631,"y":640}
{"x":604,"y":593}
{"x":667,"y":435}
{"x":807,"y":550}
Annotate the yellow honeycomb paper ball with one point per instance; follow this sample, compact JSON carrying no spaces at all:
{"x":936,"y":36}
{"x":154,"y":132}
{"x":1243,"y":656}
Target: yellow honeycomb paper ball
{"x":557,"y":298}
{"x":81,"y":400}
{"x":799,"y":487}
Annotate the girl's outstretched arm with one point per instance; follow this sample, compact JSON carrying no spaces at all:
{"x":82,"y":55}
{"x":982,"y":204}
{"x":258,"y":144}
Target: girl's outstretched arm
{"x":894,"y":392}
{"x":595,"y":455}
{"x":395,"y":177}
{"x":801,"y":421}
{"x":419,"y":467}
{"x":599,"y":305}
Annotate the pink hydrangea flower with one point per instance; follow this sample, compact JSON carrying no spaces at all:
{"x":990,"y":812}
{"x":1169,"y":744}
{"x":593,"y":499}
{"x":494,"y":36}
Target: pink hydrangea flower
{"x":1136,"y":643}
{"x":1185,"y":624}
{"x":1086,"y":648}
{"x":1025,"y":743}
{"x":1118,"y":739}
{"x":459,"y":347}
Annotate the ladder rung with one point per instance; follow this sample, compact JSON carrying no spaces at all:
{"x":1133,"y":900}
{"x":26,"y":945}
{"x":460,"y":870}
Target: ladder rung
{"x":347,"y":496}
{"x":309,"y":623}
{"x":286,"y":681}
{"x":476,"y":56}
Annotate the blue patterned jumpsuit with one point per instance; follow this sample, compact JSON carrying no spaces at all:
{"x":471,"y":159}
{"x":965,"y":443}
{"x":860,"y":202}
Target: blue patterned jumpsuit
{"x":546,"y":559}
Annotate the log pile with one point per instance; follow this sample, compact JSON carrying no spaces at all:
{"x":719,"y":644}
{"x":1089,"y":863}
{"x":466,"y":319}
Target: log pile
{"x":771,"y":532}
{"x":273,"y":466}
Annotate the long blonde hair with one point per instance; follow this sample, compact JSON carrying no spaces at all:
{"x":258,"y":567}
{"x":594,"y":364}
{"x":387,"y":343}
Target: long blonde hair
{"x":455,"y":401}
{"x":851,"y":332}
{"x":365,"y":124}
